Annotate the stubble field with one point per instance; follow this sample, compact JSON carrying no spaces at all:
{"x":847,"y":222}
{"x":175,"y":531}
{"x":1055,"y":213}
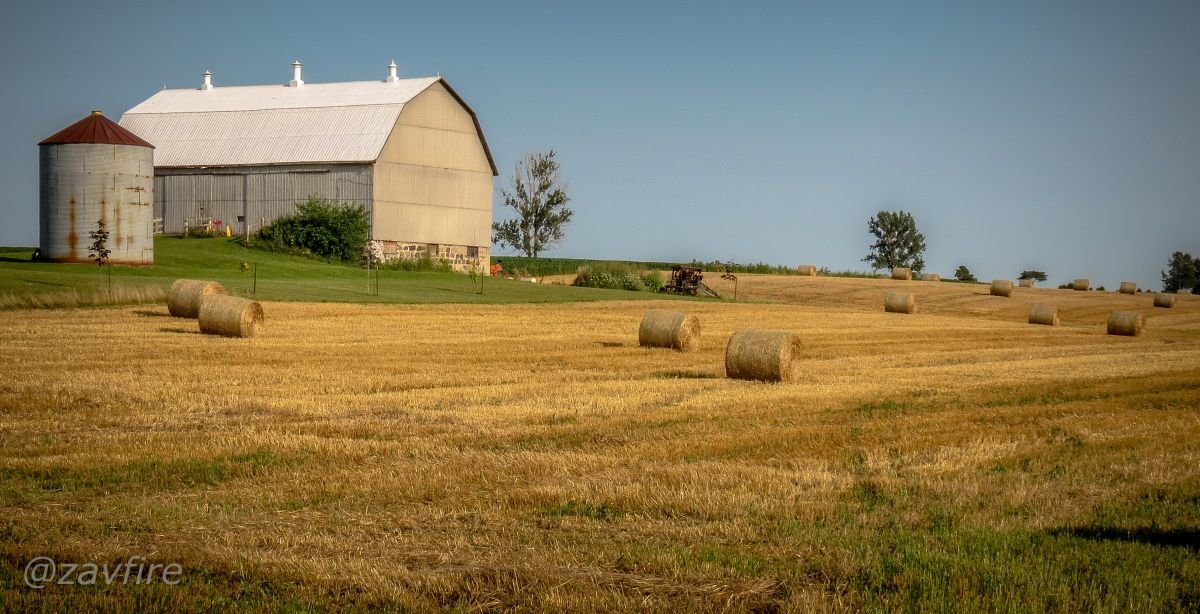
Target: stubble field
{"x":534,"y":457}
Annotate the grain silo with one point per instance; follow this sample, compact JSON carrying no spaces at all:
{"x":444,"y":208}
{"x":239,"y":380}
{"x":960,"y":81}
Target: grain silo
{"x":96,"y":170}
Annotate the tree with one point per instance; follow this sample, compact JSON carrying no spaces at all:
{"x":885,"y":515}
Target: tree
{"x":1035,"y":275}
{"x":98,"y":251}
{"x":962,"y":273}
{"x":540,"y":200}
{"x":1182,"y":274}
{"x":897,"y":242}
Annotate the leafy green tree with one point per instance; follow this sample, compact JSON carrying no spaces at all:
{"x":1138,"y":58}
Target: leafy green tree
{"x":540,"y":200}
{"x":898,"y":243}
{"x":1182,"y":274}
{"x":1035,"y":275}
{"x":962,"y":273}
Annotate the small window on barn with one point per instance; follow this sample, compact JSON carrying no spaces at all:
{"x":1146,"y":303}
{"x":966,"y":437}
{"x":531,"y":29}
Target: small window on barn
{"x":472,"y":252}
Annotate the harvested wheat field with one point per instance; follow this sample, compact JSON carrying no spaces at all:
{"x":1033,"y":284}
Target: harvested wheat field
{"x":536,"y":458}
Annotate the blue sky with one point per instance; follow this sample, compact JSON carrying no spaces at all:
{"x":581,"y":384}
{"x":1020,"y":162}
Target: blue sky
{"x":1062,"y":136}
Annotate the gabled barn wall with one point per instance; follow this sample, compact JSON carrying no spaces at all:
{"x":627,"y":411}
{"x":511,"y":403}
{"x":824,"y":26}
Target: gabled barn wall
{"x":433,"y":180}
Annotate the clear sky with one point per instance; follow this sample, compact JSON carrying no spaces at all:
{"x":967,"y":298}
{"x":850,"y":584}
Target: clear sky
{"x":1061,"y":136}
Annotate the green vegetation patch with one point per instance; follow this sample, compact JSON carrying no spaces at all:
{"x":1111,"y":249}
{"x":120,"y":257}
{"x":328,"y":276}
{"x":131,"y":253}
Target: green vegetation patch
{"x":19,"y":484}
{"x":573,"y":507}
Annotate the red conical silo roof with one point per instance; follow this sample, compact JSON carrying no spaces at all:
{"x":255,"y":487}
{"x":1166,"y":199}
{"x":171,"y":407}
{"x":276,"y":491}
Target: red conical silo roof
{"x":95,"y":128}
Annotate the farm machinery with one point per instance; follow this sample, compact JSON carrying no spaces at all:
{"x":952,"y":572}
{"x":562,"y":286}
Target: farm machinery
{"x":688,"y":280}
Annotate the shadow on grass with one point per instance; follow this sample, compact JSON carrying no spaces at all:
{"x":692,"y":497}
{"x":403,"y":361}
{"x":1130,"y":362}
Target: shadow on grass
{"x":179,"y":331}
{"x":11,"y":259}
{"x":610,"y":344}
{"x":1187,"y":538}
{"x":684,"y":375}
{"x":146,"y":313}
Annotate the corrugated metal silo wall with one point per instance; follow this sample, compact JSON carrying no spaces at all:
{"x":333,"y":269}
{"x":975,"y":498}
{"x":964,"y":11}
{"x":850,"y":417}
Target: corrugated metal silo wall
{"x":258,"y":193}
{"x":81,"y":183}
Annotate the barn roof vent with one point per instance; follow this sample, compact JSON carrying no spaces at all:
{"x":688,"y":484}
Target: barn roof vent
{"x":392,"y":77}
{"x":296,"y":80}
{"x":207,"y":83}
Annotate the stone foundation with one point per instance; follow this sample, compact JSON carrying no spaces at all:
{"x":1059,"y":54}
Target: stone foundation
{"x":462,"y":258}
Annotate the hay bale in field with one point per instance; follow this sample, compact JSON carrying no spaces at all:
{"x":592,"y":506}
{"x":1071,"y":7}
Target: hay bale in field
{"x":931,"y":277}
{"x":902,"y":273}
{"x":1081,"y":284}
{"x":1046,"y":315}
{"x":1127,"y":323}
{"x":763,"y":355}
{"x":669,"y":329}
{"x":230,"y":316}
{"x":808,"y":270}
{"x":183,"y":300}
{"x":1002,"y":287}
{"x":1164,"y":300}
{"x":1128,"y":287}
{"x":1026,"y":283}
{"x":899,"y":302}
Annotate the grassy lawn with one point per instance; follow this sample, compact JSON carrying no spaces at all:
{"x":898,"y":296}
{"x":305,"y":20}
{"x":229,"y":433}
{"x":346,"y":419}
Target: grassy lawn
{"x":280,"y":277}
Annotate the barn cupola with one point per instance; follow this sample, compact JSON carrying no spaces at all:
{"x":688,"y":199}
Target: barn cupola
{"x":296,"y":80}
{"x":392,"y":76}
{"x":206,"y":83}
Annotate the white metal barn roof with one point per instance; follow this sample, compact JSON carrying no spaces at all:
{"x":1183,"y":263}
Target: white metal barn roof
{"x":274,"y":124}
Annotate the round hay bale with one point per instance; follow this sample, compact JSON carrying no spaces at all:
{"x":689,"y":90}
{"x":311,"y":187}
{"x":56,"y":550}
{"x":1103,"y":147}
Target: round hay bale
{"x":1046,"y":315}
{"x":1002,"y":287}
{"x":1081,"y":284}
{"x":183,"y":300}
{"x":669,"y":329}
{"x":763,"y":355}
{"x":1164,"y":300}
{"x":902,"y":273}
{"x":1025,"y":283}
{"x":1128,"y":287}
{"x":1127,"y":323}
{"x":931,"y":277}
{"x":230,"y":316}
{"x":809,"y":270}
{"x":899,"y":302}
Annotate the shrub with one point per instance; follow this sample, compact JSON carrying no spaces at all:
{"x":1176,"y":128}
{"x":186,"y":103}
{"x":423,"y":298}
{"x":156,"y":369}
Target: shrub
{"x":613,"y":277}
{"x":199,"y":232}
{"x":653,"y":281}
{"x":324,"y":228}
{"x":423,"y":263}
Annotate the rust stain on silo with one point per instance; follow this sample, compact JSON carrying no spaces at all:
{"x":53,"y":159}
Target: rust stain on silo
{"x":117,"y":226}
{"x":72,"y":239}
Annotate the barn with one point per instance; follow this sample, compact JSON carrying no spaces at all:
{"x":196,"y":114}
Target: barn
{"x":409,"y":150}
